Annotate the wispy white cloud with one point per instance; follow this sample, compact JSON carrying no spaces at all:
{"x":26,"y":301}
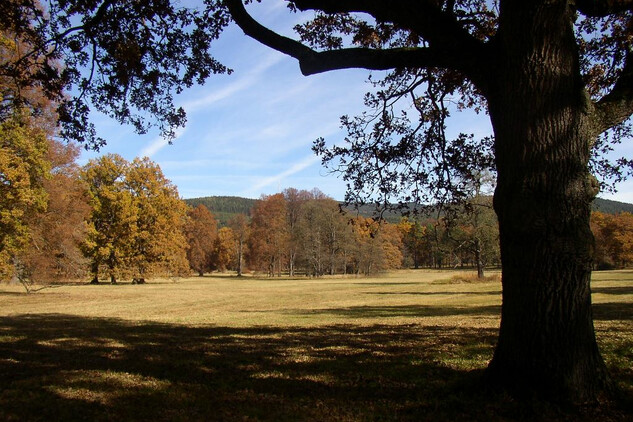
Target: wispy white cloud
{"x":247,"y":80}
{"x":267,"y":181}
{"x":157,"y":144}
{"x":219,"y":95}
{"x":202,"y":167}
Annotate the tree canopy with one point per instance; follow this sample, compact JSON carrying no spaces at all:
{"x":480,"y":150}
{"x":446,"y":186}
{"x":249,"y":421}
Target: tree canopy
{"x":23,"y":169}
{"x":136,"y":219}
{"x":201,"y":231}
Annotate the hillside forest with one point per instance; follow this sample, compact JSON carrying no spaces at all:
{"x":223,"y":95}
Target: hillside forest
{"x":113,"y":219}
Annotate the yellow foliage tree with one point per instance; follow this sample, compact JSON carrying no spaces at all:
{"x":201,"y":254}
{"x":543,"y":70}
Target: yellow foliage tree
{"x":112,"y":223}
{"x":158,"y":246}
{"x":378,"y":245}
{"x":136,"y":223}
{"x":225,"y":251}
{"x":23,"y":169}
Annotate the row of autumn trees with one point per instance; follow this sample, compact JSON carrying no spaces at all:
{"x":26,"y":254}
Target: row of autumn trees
{"x":113,"y":219}
{"x":61,"y":221}
{"x":117,"y":219}
{"x":305,"y":232}
{"x":301,"y":232}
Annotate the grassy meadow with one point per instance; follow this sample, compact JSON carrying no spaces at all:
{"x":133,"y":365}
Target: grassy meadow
{"x":408,"y":345}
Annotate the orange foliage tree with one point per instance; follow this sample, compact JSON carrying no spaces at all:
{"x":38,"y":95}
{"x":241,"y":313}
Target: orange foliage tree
{"x":201,"y":230}
{"x":269,"y":234}
{"x":241,"y":232}
{"x":614,"y":239}
{"x":378,"y":245}
{"x":225,"y":251}
{"x":56,"y":233}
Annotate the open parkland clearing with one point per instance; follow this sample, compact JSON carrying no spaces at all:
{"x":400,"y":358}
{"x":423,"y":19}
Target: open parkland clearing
{"x":406,"y":345}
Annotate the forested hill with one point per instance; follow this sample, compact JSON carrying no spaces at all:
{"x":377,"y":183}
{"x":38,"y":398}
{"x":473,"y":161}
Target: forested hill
{"x":224,"y":207}
{"x":611,"y":207}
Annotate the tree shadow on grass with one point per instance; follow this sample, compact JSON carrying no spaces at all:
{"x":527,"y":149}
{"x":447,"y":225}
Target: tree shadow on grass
{"x":447,"y":293}
{"x":612,"y":311}
{"x":20,"y":293}
{"x":61,"y":367}
{"x":361,"y":312}
{"x":614,"y":290}
{"x":389,"y":283}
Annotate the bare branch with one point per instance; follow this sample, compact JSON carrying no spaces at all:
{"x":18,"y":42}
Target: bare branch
{"x":601,"y":8}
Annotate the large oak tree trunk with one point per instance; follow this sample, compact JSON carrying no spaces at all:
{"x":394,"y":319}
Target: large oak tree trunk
{"x":539,"y":113}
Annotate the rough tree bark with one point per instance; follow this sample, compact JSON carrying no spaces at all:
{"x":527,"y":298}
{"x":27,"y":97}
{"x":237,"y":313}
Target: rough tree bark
{"x":541,"y":119}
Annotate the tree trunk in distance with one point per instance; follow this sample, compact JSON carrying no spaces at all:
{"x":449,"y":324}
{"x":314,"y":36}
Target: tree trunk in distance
{"x":94,"y":269}
{"x":478,"y":261}
{"x":239,"y":258}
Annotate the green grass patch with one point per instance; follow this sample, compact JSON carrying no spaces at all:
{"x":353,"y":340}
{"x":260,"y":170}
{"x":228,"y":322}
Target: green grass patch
{"x":396,"y":347}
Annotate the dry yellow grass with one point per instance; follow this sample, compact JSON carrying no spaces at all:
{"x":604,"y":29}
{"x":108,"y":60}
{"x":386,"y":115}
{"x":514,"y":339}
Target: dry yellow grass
{"x":395,"y":298}
{"x":408,"y":345}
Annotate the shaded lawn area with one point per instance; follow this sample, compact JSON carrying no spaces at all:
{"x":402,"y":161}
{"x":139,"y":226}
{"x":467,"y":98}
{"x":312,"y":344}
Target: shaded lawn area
{"x":69,"y":367}
{"x":60,"y":367}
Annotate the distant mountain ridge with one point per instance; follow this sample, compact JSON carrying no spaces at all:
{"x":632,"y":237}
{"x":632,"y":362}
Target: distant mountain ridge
{"x":611,"y":207}
{"x":225,"y":207}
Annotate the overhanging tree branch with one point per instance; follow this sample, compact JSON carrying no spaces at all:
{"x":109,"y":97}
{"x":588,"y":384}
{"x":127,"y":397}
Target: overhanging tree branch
{"x":424,"y":17}
{"x":312,"y":61}
{"x":255,"y":30}
{"x":601,"y":8}
{"x":617,"y":106}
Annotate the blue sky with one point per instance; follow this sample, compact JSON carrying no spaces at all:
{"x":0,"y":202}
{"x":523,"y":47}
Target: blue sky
{"x":250,"y":133}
